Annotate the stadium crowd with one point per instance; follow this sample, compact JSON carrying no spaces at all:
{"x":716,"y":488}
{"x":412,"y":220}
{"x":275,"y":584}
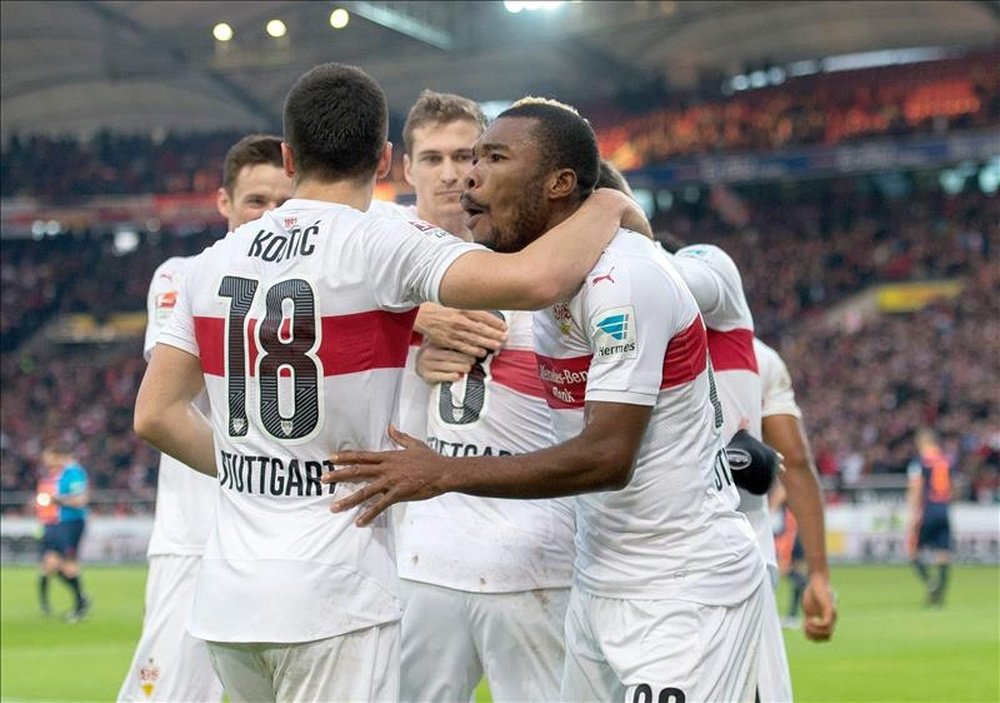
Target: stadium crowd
{"x":825,"y":108}
{"x":863,"y":388}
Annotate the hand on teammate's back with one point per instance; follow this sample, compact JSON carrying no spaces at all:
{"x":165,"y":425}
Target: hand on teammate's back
{"x":414,"y":473}
{"x":471,"y":332}
{"x":438,"y":365}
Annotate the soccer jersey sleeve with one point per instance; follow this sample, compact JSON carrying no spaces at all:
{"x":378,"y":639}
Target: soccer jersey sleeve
{"x":160,"y":301}
{"x":406,"y":260}
{"x":180,"y":331}
{"x":777,"y":393}
{"x":624,"y":319}
{"x":713,"y":278}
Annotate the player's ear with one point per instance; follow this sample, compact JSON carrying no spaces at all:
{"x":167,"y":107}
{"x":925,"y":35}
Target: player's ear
{"x":407,"y":165}
{"x":384,"y":161}
{"x":561,"y":183}
{"x":223,"y":203}
{"x":288,"y":160}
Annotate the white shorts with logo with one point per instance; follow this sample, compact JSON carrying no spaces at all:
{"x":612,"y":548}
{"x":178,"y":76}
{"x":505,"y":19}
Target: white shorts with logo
{"x":169,"y":664}
{"x":452,"y":638}
{"x":775,"y":680}
{"x":358,"y":666}
{"x":660,"y":651}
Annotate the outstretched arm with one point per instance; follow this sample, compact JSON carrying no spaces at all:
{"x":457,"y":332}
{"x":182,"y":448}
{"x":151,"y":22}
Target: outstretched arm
{"x":549,"y":269}
{"x":600,"y":458}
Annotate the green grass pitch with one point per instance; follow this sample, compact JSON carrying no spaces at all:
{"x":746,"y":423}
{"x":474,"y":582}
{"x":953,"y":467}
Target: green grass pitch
{"x":888,"y":646}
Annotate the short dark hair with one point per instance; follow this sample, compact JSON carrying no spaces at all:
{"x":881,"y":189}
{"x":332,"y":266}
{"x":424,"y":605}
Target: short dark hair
{"x":251,"y":150}
{"x":336,"y":123}
{"x":440,"y":108}
{"x":565,"y":139}
{"x":611,"y":177}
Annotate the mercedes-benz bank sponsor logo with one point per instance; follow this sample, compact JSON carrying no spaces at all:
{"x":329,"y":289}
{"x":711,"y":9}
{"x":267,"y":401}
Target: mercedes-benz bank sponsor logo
{"x":614,"y":334}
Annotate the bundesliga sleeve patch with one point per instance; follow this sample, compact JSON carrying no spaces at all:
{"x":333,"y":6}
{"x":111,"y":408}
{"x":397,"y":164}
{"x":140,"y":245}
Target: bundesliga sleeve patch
{"x":428,"y":229}
{"x":614,"y":334}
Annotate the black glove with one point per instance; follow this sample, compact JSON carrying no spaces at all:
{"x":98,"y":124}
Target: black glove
{"x":754,"y":464}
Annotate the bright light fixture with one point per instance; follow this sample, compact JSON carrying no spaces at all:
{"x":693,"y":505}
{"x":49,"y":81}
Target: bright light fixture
{"x":276,"y":29}
{"x":222,"y":32}
{"x":339,"y":18}
{"x":514,"y":6}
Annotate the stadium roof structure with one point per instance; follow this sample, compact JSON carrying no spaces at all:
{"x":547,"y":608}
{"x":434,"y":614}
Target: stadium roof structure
{"x":76,"y":67}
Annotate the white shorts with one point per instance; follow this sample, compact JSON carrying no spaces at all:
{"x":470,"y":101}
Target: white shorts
{"x":660,"y":651}
{"x":452,"y":638}
{"x":358,"y":666}
{"x":169,"y":664}
{"x":774,"y":679}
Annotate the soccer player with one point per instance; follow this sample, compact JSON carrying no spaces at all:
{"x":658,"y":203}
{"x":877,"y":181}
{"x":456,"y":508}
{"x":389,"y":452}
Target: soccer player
{"x":783,"y":430}
{"x":298,"y":325}
{"x":169,"y":664}
{"x":928,"y":495}
{"x":478,"y":573}
{"x":64,"y":488}
{"x":438,"y":136}
{"x":666,"y":600}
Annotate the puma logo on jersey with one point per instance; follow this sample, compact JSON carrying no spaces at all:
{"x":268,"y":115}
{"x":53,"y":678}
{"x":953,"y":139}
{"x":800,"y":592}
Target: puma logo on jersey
{"x":605,"y":277}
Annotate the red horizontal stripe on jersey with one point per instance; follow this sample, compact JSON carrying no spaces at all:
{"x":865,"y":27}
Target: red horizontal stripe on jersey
{"x":517,"y":369}
{"x":732,"y":350}
{"x":416,"y":339}
{"x":686,"y":356}
{"x":349,"y":343}
{"x":564,"y":380}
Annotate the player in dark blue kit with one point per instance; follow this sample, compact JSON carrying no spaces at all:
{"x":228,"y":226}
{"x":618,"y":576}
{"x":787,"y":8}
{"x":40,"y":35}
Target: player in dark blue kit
{"x":928,"y":496}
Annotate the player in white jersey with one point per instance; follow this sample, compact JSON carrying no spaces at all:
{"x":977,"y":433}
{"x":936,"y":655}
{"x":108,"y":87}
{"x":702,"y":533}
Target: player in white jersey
{"x":497,"y":573}
{"x":666,"y":601}
{"x":715,"y":281}
{"x":169,"y":664}
{"x":783,"y":429}
{"x":485,"y":580}
{"x":297,"y":325}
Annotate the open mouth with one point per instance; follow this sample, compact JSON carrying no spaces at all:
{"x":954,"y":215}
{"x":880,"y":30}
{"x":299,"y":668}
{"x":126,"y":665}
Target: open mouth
{"x":472,"y":209}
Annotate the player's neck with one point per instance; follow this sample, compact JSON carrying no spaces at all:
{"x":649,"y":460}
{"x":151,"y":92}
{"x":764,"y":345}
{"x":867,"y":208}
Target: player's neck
{"x":356,"y":195}
{"x":559,"y":212}
{"x":455,"y":224}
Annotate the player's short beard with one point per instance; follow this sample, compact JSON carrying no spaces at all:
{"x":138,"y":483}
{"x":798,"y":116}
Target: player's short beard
{"x":528,"y":223}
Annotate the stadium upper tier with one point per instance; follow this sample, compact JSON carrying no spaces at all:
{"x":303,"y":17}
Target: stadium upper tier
{"x":931,"y":97}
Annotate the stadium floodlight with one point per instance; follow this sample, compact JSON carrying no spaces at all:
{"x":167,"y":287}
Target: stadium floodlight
{"x":222,"y":32}
{"x":339,"y":18}
{"x":514,"y":7}
{"x":276,"y":29}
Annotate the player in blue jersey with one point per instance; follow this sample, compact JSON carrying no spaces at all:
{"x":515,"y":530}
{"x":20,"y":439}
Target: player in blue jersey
{"x":67,"y":490}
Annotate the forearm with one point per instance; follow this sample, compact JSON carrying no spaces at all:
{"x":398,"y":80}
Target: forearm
{"x":576,"y":466}
{"x":805,"y":499}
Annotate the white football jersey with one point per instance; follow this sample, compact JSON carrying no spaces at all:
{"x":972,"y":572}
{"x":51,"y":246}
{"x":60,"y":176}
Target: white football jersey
{"x":490,"y":545}
{"x":301,"y":320}
{"x":715,"y":282}
{"x":633,"y":335}
{"x":775,"y":382}
{"x":414,"y":393}
{"x":185,"y":499}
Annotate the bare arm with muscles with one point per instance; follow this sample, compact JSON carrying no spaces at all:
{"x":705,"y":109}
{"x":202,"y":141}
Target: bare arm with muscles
{"x":601,"y":457}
